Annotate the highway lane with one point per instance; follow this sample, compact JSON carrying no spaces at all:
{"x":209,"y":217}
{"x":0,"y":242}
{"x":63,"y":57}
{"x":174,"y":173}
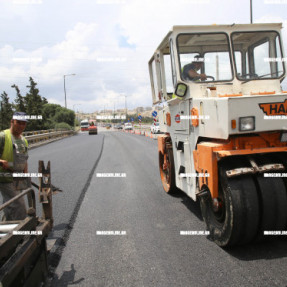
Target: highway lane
{"x":153,"y":253}
{"x":73,"y":160}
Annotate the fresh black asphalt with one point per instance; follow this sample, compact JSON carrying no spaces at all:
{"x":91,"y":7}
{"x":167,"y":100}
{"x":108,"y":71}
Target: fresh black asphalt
{"x":152,"y":253}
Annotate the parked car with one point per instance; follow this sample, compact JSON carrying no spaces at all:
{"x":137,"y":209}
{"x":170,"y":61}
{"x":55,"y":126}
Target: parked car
{"x":118,"y":126}
{"x":154,"y":128}
{"x":128,"y":126}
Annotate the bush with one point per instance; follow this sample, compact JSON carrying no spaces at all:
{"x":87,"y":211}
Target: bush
{"x":62,"y":126}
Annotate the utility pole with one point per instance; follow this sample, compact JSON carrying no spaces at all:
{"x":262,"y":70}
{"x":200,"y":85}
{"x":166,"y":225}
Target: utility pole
{"x":217,"y":68}
{"x":65,"y":87}
{"x":114,"y":112}
{"x":251,"y":16}
{"x":123,"y":95}
{"x":126,"y":106}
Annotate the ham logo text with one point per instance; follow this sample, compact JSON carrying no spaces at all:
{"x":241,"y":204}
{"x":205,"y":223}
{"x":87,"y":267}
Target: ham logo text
{"x":274,"y":109}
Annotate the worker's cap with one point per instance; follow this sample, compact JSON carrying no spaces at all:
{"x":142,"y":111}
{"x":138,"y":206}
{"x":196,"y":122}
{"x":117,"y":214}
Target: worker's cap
{"x":198,"y":59}
{"x":20,"y":116}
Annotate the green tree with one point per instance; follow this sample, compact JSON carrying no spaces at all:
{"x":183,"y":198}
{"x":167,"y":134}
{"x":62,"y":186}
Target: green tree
{"x":6,"y":111}
{"x":62,"y":126}
{"x":20,"y":103}
{"x":48,"y":112}
{"x":54,"y":114}
{"x":34,"y":105}
{"x":64,"y":115}
{"x":44,"y":101}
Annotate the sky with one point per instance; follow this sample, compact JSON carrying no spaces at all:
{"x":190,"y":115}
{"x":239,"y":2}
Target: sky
{"x":106,"y":43}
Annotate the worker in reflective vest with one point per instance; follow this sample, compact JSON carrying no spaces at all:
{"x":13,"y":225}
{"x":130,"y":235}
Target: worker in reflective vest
{"x":14,"y":156}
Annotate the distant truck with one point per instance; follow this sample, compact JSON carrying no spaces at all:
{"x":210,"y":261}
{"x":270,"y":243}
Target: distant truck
{"x":84,"y":125}
{"x":224,"y":122}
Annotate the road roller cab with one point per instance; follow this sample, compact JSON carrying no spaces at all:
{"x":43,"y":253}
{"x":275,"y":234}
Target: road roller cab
{"x":223,"y":113}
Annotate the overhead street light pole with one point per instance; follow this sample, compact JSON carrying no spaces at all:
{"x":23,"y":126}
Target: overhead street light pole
{"x":75,"y":114}
{"x":123,"y":95}
{"x":251,"y":16}
{"x":65,"y":87}
{"x":74,"y":106}
{"x":126,"y":107}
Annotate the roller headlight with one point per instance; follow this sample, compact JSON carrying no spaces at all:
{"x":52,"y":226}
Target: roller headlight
{"x":246,"y":124}
{"x":283,"y":137}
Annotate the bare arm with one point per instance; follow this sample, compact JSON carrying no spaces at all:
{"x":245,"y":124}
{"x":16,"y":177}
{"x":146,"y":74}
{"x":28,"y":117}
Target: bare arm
{"x":4,"y":163}
{"x":194,"y":74}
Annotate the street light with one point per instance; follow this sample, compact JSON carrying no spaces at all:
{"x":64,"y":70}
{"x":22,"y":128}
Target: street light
{"x":126,"y":106}
{"x":74,"y":106}
{"x":65,"y":87}
{"x":123,"y":95}
{"x":251,"y":14}
{"x":75,"y":114}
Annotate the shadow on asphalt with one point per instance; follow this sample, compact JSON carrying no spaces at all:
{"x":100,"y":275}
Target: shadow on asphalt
{"x":272,"y":248}
{"x":269,"y":249}
{"x":61,"y":226}
{"x":192,"y":206}
{"x":67,"y":278}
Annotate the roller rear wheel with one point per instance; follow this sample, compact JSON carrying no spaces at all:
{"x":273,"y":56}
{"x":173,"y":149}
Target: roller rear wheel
{"x":236,"y":220}
{"x":167,"y":174}
{"x":272,"y":200}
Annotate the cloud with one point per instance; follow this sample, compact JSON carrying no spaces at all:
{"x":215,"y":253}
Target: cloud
{"x":83,"y":51}
{"x":107,"y":46}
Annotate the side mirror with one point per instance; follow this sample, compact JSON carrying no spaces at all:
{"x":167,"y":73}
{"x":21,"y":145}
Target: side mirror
{"x":180,"y":90}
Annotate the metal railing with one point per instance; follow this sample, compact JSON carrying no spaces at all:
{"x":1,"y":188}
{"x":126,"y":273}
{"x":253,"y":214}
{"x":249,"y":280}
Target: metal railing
{"x":43,"y":136}
{"x":31,"y":199}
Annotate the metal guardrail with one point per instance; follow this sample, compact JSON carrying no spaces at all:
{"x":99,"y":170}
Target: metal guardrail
{"x":28,"y":133}
{"x":46,"y":136}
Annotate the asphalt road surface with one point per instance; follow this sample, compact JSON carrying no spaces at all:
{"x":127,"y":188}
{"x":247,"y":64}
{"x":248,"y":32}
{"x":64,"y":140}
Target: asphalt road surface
{"x":73,"y":161}
{"x":150,"y":250}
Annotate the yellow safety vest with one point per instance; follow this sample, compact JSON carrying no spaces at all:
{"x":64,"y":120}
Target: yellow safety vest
{"x":8,"y":155}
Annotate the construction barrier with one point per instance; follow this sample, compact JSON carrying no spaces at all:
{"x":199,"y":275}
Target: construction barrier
{"x":142,"y":133}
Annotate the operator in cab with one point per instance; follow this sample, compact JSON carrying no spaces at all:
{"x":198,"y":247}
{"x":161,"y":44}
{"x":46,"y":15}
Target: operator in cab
{"x":190,"y":71}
